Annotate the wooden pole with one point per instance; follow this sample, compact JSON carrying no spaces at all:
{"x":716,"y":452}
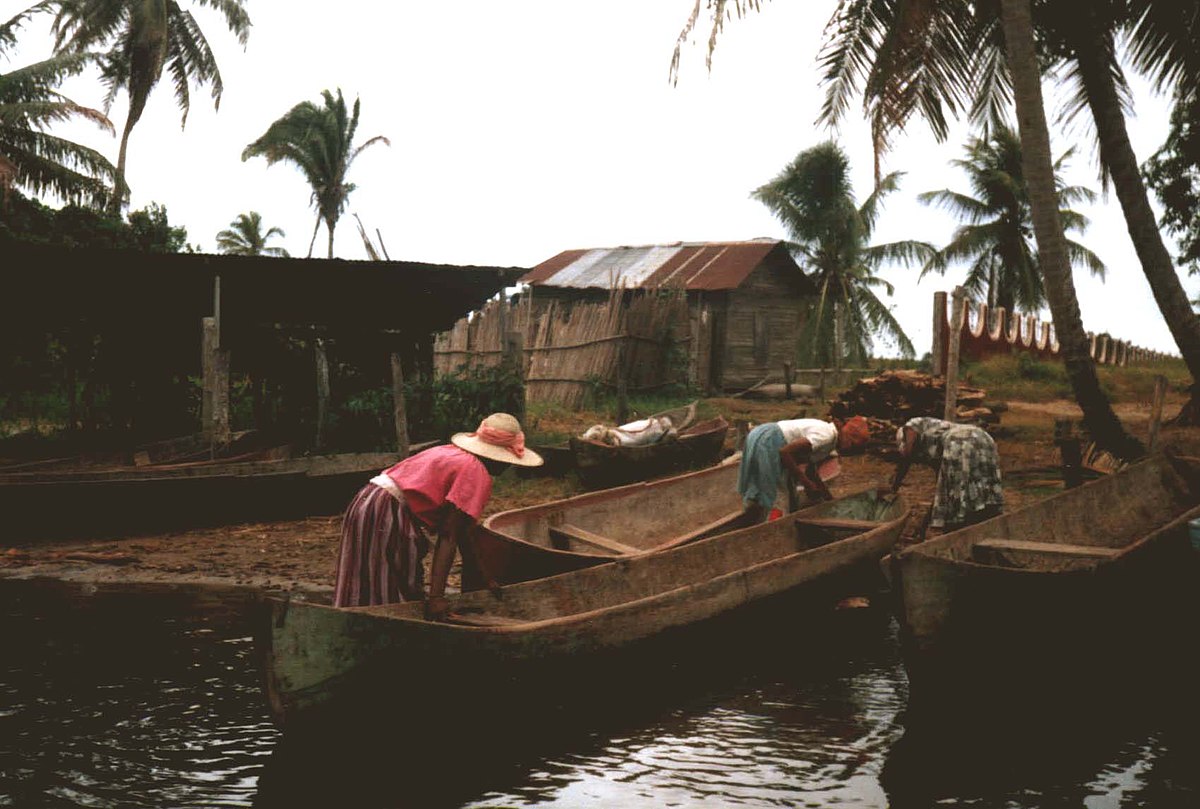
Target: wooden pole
{"x":322,"y":361}
{"x":622,"y":393}
{"x":514,"y":356}
{"x":938,"y":351}
{"x":956,"y":315}
{"x":208,"y":347}
{"x":787,"y":380}
{"x":399,"y":409}
{"x":1156,"y":409}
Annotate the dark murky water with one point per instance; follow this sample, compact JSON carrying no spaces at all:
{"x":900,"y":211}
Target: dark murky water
{"x":133,"y":708}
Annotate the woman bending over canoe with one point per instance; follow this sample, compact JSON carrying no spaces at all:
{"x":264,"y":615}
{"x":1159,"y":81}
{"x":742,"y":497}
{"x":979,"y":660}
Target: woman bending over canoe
{"x":967,"y":465}
{"x":443,"y":488}
{"x":804,"y":449}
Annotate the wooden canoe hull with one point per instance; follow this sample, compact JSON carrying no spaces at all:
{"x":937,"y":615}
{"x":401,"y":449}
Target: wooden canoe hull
{"x":1068,"y":581}
{"x":516,"y":545}
{"x":76,"y":504}
{"x":600,"y":465}
{"x":314,"y":655}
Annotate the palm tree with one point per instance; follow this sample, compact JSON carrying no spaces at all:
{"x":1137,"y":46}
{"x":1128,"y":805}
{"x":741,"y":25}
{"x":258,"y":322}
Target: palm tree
{"x":933,"y":57}
{"x":143,"y":38}
{"x":30,"y":156}
{"x":245,"y":237}
{"x":829,"y":236}
{"x":997,"y":237}
{"x":319,"y":140}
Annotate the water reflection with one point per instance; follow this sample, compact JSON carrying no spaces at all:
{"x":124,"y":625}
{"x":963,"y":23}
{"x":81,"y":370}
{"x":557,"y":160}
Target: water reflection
{"x":131,"y":707}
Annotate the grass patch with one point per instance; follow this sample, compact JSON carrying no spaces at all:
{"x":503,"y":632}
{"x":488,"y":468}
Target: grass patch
{"x":1023,"y":378}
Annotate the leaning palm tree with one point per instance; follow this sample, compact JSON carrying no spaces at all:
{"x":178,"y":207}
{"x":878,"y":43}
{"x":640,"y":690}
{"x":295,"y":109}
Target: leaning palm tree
{"x":319,"y":140}
{"x":245,"y":237}
{"x":143,"y":38}
{"x":996,"y":241}
{"x":939,"y":58}
{"x":829,"y":237}
{"x":31,"y":157}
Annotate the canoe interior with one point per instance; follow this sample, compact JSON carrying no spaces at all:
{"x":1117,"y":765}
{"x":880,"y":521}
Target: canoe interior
{"x":639,"y":516}
{"x":600,"y":465}
{"x":1079,"y":529}
{"x":597,"y":588}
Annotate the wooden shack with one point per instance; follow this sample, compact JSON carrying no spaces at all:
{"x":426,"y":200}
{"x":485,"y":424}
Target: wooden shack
{"x":745,"y":300}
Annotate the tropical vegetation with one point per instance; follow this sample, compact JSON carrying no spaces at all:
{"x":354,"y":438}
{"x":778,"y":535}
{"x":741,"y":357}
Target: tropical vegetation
{"x":139,"y":40}
{"x":30,"y":156}
{"x":318,"y":140}
{"x":938,"y":59}
{"x":996,"y":240}
{"x":1174,"y":174}
{"x":245,"y":237}
{"x":829,"y":235}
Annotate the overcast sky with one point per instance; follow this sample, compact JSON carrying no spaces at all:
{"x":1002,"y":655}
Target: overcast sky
{"x":519,"y":130}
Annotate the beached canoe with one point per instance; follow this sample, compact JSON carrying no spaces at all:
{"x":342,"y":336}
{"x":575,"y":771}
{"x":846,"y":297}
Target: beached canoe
{"x":602,"y":465}
{"x":1058,"y":587}
{"x":94,"y":503}
{"x":596,"y":527}
{"x":315,"y":656}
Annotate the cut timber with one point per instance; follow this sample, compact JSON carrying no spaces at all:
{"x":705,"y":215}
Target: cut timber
{"x":716,"y":525}
{"x":478,"y":619}
{"x":576,"y":534}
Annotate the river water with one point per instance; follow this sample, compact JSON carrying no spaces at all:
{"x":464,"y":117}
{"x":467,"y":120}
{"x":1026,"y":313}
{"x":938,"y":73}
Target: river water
{"x":137,"y":707}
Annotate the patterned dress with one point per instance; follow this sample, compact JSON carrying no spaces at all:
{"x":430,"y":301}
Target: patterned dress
{"x":968,"y":481}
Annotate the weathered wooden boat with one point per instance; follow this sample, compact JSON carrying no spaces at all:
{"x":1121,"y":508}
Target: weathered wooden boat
{"x":244,"y":445}
{"x":316,"y":656}
{"x":1051,"y":595}
{"x":600,"y":465}
{"x":597,"y":527}
{"x":93,"y":503}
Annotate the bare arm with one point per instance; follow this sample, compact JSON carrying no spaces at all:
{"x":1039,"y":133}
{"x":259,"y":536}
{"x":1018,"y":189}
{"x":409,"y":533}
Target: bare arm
{"x":455,"y":531}
{"x":797,"y":459}
{"x":906,"y":458}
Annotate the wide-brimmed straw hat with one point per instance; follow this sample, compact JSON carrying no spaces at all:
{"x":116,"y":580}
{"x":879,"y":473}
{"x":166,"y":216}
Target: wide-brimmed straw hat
{"x":499,"y":438}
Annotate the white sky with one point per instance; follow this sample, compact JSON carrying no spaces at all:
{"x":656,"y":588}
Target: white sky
{"x":519,"y":130}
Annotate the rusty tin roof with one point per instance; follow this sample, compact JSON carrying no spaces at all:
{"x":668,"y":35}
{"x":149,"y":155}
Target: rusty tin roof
{"x":698,"y":265}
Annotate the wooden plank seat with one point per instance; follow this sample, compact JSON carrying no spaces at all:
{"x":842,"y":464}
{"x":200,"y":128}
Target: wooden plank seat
{"x":1056,"y":548}
{"x":481,"y":619}
{"x":564,"y":534}
{"x":837,"y":522}
{"x":704,"y":530}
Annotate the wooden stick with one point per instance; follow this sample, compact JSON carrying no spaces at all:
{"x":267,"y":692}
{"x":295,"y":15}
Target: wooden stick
{"x":322,"y":362}
{"x":937,"y":352}
{"x":956,"y":324}
{"x":399,"y":409}
{"x":1156,"y":409}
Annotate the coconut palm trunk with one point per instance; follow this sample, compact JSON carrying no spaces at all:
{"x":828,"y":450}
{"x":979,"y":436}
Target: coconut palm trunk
{"x":1098,"y":414}
{"x":1116,"y":152}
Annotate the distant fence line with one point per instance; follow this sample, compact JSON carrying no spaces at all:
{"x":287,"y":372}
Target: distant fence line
{"x":987,"y":332}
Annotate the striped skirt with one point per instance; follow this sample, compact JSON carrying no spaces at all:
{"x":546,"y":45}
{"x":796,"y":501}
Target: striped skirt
{"x":379,"y":560}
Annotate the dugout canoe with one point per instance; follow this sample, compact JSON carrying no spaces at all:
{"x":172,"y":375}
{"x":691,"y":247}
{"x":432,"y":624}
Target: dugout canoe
{"x":600,"y":465}
{"x":1048,"y":597}
{"x":317,"y":658}
{"x":109,"y":503}
{"x":597,"y":527}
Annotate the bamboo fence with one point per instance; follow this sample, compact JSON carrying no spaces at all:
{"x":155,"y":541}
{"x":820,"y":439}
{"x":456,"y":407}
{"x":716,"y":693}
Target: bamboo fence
{"x":573,"y":348}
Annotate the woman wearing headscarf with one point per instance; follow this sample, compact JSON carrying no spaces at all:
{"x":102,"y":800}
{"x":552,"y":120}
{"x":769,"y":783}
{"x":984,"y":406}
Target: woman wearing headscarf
{"x":442,"y":489}
{"x":967,"y":465}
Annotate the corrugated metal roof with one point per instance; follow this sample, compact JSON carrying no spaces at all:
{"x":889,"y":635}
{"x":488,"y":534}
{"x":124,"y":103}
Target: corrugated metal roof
{"x":701,"y":266}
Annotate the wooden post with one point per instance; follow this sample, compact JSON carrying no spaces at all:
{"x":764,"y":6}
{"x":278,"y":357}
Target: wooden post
{"x":622,"y":393}
{"x":742,"y":429}
{"x":1156,"y":409}
{"x":938,"y":351}
{"x":322,"y":361}
{"x":956,"y":314}
{"x":214,"y":391}
{"x":1072,"y":455}
{"x":514,"y":356}
{"x":399,"y":410}
{"x":821,"y":385}
{"x":787,"y":380}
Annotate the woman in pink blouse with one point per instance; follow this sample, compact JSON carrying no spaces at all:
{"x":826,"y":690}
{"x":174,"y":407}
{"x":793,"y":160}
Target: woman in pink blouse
{"x":445,"y":489}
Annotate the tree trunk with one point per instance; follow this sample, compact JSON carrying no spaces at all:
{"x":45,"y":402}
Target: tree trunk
{"x":120,"y":187}
{"x":1037,"y":166}
{"x":330,"y":224}
{"x":313,"y":240}
{"x":1116,"y":152}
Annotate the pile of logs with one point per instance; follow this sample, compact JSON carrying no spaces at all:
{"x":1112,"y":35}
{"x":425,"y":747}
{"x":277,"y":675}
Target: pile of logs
{"x":893,"y":397}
